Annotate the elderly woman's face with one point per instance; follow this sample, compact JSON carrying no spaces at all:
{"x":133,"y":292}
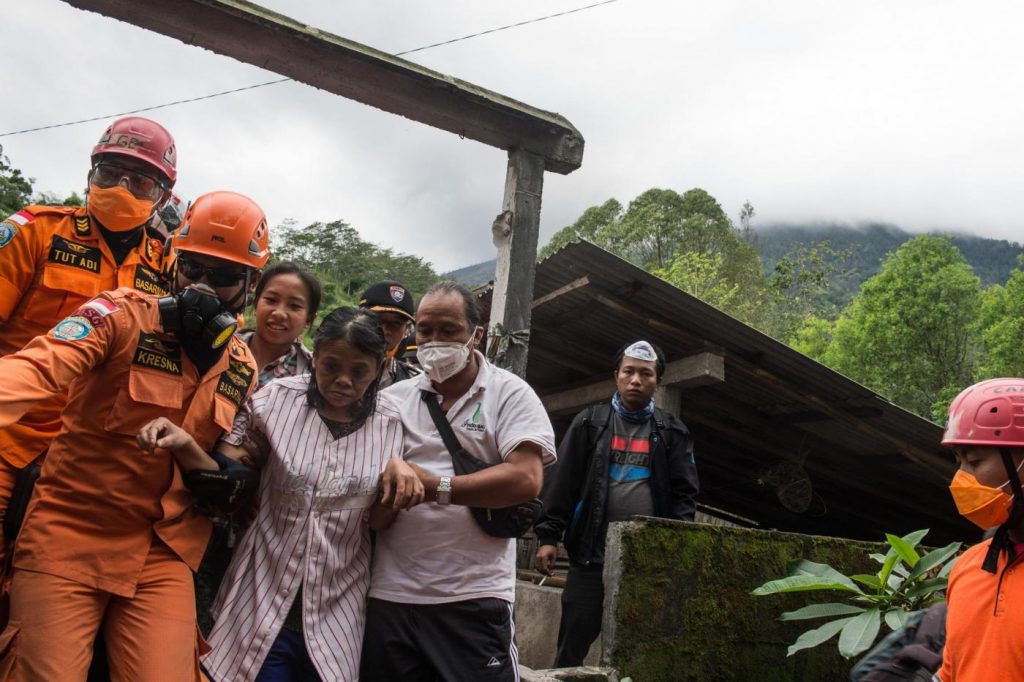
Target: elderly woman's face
{"x":343,"y":373}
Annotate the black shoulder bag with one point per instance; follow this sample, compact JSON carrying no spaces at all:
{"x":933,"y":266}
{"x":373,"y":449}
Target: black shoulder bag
{"x":507,"y":522}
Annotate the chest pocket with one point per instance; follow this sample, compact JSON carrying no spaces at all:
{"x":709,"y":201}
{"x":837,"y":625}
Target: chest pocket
{"x":148,"y":395}
{"x":71,"y":276}
{"x":210,"y":430}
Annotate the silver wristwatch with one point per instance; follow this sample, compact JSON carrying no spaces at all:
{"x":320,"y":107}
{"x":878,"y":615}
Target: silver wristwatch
{"x":444,"y":490}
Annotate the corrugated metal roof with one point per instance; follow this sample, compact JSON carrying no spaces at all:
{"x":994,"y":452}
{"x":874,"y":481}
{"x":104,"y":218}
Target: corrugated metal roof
{"x":778,"y":425}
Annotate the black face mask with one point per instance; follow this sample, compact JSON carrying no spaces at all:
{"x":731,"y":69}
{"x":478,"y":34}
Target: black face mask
{"x":201,"y":321}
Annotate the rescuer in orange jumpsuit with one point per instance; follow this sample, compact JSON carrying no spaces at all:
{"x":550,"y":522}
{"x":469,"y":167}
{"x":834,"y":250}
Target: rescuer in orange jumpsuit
{"x":54,"y":258}
{"x":111,"y":537}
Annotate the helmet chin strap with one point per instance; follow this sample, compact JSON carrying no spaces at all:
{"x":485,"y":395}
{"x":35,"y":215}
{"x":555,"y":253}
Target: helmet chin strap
{"x":1001,"y":540}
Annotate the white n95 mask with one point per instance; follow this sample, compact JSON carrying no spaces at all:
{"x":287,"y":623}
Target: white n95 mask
{"x":441,"y":360}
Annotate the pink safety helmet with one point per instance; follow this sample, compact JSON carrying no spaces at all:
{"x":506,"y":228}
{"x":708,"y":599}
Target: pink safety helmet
{"x":989,"y":413}
{"x":142,"y":139}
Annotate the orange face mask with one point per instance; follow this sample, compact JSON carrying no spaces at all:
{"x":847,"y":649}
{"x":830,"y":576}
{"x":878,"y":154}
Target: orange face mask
{"x":983,"y":506}
{"x":117,"y":209}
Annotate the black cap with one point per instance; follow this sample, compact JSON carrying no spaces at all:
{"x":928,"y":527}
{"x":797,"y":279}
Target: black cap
{"x":388,"y":296}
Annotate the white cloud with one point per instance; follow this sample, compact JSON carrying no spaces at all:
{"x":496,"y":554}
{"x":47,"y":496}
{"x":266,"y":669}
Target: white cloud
{"x":905,"y":112}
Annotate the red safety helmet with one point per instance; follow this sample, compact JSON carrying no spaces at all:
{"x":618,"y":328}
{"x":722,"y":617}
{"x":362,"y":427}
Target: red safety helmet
{"x":989,"y":413}
{"x":225,"y":225}
{"x":142,"y":139}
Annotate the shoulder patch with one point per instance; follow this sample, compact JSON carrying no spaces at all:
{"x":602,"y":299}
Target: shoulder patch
{"x":95,"y":310}
{"x":73,"y":328}
{"x":20,"y":218}
{"x":7,"y":231}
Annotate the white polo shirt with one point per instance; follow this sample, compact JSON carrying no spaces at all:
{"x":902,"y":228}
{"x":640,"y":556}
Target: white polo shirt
{"x":434,"y":554}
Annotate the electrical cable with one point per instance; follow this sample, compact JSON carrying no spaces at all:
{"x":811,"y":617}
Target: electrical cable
{"x":282,"y":80}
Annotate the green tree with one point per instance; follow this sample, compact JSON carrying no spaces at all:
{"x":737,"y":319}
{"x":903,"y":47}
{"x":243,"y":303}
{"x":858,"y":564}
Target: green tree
{"x":1001,"y":327}
{"x":813,"y":337}
{"x":15,"y":188}
{"x":799,"y":284}
{"x":594,"y":225}
{"x":345,"y":262}
{"x":909,"y":333}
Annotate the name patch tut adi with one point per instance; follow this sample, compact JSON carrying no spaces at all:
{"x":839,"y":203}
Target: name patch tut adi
{"x":149,"y":281}
{"x":235,"y":381}
{"x":155,"y":353}
{"x":73,"y":254}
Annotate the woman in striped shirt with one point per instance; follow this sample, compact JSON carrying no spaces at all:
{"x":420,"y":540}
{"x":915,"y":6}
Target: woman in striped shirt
{"x":292,"y":604}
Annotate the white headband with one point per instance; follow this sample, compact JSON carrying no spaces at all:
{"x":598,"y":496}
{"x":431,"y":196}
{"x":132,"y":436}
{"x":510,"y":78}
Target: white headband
{"x":641,"y":350}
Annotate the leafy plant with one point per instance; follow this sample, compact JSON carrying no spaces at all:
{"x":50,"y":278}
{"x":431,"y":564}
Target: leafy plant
{"x":906,"y":582}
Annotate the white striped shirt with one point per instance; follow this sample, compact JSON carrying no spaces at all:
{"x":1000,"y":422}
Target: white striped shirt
{"x":311,"y":531}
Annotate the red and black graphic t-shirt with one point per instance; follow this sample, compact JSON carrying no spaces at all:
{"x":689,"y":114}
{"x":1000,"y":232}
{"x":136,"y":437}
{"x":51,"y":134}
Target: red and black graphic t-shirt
{"x":629,"y":470}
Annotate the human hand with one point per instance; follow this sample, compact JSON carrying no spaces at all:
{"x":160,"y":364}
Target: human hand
{"x":544,"y":559}
{"x":401,"y":486}
{"x":163,"y":433}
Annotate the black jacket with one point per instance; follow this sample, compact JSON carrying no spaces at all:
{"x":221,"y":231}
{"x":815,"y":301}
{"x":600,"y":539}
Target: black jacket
{"x":576,"y":488}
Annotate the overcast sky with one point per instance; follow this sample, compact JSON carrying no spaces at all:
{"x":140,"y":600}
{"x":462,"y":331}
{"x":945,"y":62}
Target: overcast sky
{"x":904,"y":111}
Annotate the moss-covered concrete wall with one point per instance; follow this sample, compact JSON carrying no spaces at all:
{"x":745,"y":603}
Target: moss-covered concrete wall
{"x":678,"y":604}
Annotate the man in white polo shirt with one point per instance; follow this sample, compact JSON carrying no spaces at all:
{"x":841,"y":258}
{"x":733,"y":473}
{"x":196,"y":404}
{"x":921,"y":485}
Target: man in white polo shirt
{"x":441,"y":590}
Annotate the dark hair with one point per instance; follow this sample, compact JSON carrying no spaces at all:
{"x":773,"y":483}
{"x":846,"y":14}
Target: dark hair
{"x":314,"y":291}
{"x":360,"y":329}
{"x":659,"y":364}
{"x":468,"y":299}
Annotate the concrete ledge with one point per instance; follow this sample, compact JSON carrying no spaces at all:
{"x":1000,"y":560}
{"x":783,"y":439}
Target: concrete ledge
{"x":678,"y":604}
{"x":538,"y":612}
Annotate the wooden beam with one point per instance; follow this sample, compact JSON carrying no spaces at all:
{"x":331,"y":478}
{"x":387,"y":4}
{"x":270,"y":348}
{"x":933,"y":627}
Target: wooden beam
{"x":669,"y":398}
{"x":515,"y":232}
{"x":696,"y":370}
{"x":258,"y":36}
{"x":571,"y":286}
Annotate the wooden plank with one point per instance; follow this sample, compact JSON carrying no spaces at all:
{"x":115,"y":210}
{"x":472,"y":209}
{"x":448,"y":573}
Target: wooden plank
{"x":571,"y":286}
{"x":272,"y":41}
{"x":696,"y":370}
{"x":515,"y":232}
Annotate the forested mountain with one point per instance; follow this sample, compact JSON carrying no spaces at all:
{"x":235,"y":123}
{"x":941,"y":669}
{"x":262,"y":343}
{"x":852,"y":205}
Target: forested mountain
{"x":867,"y":245}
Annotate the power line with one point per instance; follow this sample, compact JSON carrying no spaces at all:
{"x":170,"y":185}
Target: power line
{"x":283,"y":80}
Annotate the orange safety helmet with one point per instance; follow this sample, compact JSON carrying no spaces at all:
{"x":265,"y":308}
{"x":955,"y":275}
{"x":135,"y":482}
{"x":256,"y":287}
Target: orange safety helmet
{"x":225,"y":225}
{"x":989,"y":413}
{"x":142,"y":139}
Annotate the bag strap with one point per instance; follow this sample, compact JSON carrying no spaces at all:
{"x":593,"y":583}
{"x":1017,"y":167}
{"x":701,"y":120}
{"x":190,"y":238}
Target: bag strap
{"x":451,"y":442}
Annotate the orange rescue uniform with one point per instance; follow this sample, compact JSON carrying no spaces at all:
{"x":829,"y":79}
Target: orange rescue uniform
{"x":985,"y":620}
{"x":52,"y":260}
{"x":103,"y":508}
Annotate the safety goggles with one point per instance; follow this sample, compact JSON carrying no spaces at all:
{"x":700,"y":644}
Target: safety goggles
{"x":217,"y":277}
{"x":142,"y":186}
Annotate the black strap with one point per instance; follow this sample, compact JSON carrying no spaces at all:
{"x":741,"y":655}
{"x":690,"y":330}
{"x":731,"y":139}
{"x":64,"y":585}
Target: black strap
{"x":441,"y":422}
{"x":1001,"y":539}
